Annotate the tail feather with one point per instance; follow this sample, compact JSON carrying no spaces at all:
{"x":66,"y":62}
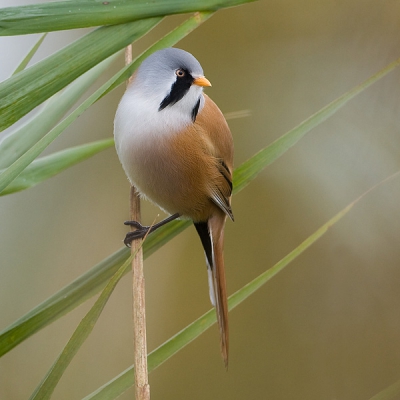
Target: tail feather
{"x":212,"y":237}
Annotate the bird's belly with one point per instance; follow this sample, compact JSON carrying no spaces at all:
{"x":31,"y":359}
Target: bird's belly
{"x":171,"y":176}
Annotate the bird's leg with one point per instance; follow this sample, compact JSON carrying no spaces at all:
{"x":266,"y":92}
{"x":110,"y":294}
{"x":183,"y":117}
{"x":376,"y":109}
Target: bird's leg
{"x":141,"y":230}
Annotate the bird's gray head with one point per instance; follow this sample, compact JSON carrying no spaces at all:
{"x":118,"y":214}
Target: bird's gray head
{"x":172,"y":77}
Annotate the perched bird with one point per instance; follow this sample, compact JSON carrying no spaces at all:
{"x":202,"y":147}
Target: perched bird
{"x":177,"y":150}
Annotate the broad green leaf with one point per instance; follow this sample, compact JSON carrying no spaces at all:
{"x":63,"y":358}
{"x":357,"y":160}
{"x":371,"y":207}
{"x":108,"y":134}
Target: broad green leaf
{"x":123,"y":381}
{"x":92,"y":281}
{"x":48,"y":166}
{"x":18,"y":166}
{"x":71,"y":14}
{"x":85,"y":327}
{"x":16,"y":143}
{"x":30,"y":54}
{"x":390,"y":393}
{"x":81,"y":289}
{"x":24,"y":91}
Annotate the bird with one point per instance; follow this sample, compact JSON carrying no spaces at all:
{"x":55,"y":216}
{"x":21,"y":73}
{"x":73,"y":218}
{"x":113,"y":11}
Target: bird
{"x":176,"y":149}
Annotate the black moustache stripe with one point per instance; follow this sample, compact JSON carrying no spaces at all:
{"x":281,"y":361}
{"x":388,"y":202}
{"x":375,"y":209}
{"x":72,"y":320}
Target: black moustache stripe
{"x":180,"y":87}
{"x":195,"y":110}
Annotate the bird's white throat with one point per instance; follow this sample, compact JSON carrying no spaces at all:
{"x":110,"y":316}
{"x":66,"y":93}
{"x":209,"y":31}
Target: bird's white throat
{"x":138,"y":114}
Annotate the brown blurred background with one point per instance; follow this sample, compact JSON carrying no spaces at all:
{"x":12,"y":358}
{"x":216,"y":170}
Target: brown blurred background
{"x":328,"y":326}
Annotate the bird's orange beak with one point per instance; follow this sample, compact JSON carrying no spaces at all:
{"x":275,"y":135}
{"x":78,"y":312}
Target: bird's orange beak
{"x":202,"y":81}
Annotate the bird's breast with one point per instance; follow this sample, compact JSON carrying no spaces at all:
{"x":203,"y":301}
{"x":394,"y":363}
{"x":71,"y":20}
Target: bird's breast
{"x":171,"y":167}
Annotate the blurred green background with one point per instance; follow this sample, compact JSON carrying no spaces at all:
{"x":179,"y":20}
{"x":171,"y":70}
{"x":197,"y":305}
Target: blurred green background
{"x":328,"y":326}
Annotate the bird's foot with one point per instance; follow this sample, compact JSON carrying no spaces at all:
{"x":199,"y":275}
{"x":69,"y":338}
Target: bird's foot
{"x":140,"y":232}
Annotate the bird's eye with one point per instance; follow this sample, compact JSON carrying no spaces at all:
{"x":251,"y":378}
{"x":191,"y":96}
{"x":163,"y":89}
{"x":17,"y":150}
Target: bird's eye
{"x":180,"y":73}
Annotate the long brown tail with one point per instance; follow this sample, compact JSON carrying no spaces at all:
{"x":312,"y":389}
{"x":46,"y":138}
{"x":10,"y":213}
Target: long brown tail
{"x":212,"y":237}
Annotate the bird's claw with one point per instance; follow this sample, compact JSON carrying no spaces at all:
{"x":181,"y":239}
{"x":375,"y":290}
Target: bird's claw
{"x":135,"y":224}
{"x":139,"y":233}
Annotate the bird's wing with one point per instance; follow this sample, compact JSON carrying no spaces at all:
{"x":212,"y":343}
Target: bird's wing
{"x":221,"y":193}
{"x":214,"y":125}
